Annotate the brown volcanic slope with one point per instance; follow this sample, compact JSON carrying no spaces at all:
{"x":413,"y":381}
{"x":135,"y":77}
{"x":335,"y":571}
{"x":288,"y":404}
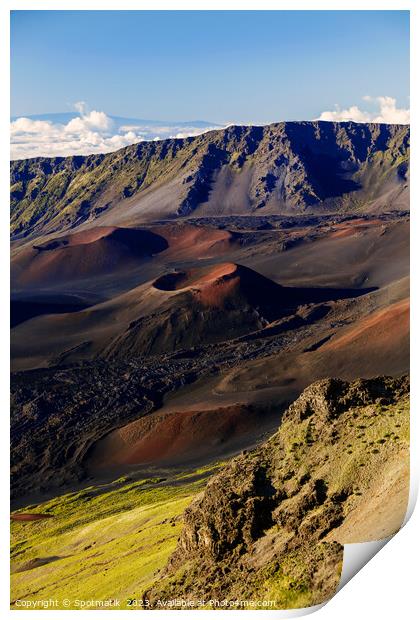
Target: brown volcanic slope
{"x":186,"y":242}
{"x":384,"y":333}
{"x":178,"y":310}
{"x":112,"y":259}
{"x":259,"y":357}
{"x":281,"y":168}
{"x":179,"y":437}
{"x":373,"y":342}
{"x":377,"y":342}
{"x":82,"y":255}
{"x":366,"y":339}
{"x":326,"y":333}
{"x":348,"y":254}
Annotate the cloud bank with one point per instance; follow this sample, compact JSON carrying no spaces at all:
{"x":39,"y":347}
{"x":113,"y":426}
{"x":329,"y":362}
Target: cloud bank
{"x":89,"y":132}
{"x":93,"y":131}
{"x":386,"y":111}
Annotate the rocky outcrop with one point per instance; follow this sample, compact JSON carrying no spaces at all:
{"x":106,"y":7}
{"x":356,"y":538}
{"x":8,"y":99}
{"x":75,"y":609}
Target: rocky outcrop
{"x":267,"y":525}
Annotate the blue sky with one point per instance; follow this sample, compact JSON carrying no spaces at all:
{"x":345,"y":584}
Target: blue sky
{"x":219,"y":66}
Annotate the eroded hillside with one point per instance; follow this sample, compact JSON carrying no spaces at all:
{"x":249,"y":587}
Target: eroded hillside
{"x":272,"y":523}
{"x":288,"y":167}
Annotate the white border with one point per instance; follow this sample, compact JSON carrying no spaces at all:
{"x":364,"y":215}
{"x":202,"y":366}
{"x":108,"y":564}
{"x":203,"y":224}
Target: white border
{"x":387,"y":586}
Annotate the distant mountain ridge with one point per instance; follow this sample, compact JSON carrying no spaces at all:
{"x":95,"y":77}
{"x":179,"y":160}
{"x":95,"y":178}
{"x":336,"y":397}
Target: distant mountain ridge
{"x":282,"y":168}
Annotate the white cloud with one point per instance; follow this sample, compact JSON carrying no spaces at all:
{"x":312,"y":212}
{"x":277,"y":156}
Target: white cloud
{"x":191,"y":131}
{"x":350,"y":114}
{"x":389,"y":113}
{"x":26,"y":125}
{"x":91,"y":132}
{"x":95,"y":121}
{"x":81,"y":107}
{"x":386,"y":112}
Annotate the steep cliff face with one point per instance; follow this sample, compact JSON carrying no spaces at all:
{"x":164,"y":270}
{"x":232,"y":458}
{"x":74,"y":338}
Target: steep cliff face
{"x":280,"y":168}
{"x":271,"y":524}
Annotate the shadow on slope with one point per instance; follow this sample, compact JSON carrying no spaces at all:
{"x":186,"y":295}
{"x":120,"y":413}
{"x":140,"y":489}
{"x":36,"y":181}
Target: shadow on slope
{"x":86,"y":254}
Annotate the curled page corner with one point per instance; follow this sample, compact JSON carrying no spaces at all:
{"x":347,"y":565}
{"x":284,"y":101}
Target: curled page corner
{"x":414,"y":492}
{"x":283,"y":613}
{"x":357,"y":555}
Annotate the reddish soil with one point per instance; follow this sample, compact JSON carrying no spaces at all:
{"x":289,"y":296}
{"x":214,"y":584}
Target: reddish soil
{"x":374,"y":345}
{"x":347,"y":229}
{"x":82,"y":237}
{"x":227,"y":285}
{"x":194,"y":277}
{"x":344,"y":232}
{"x":30,"y":516}
{"x":188,"y":241}
{"x":211,"y":285}
{"x":383,"y":327}
{"x":215,"y":294}
{"x":86,"y":254}
{"x":176,"y":437}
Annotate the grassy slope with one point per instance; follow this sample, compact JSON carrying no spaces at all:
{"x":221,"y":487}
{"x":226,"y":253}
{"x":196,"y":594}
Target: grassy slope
{"x":364,"y":440}
{"x":369,"y":439}
{"x":111,"y":542}
{"x":104,"y":543}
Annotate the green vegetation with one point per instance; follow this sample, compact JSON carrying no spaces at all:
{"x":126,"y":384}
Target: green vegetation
{"x":291,"y":585}
{"x":104,"y":542}
{"x":352,"y":449}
